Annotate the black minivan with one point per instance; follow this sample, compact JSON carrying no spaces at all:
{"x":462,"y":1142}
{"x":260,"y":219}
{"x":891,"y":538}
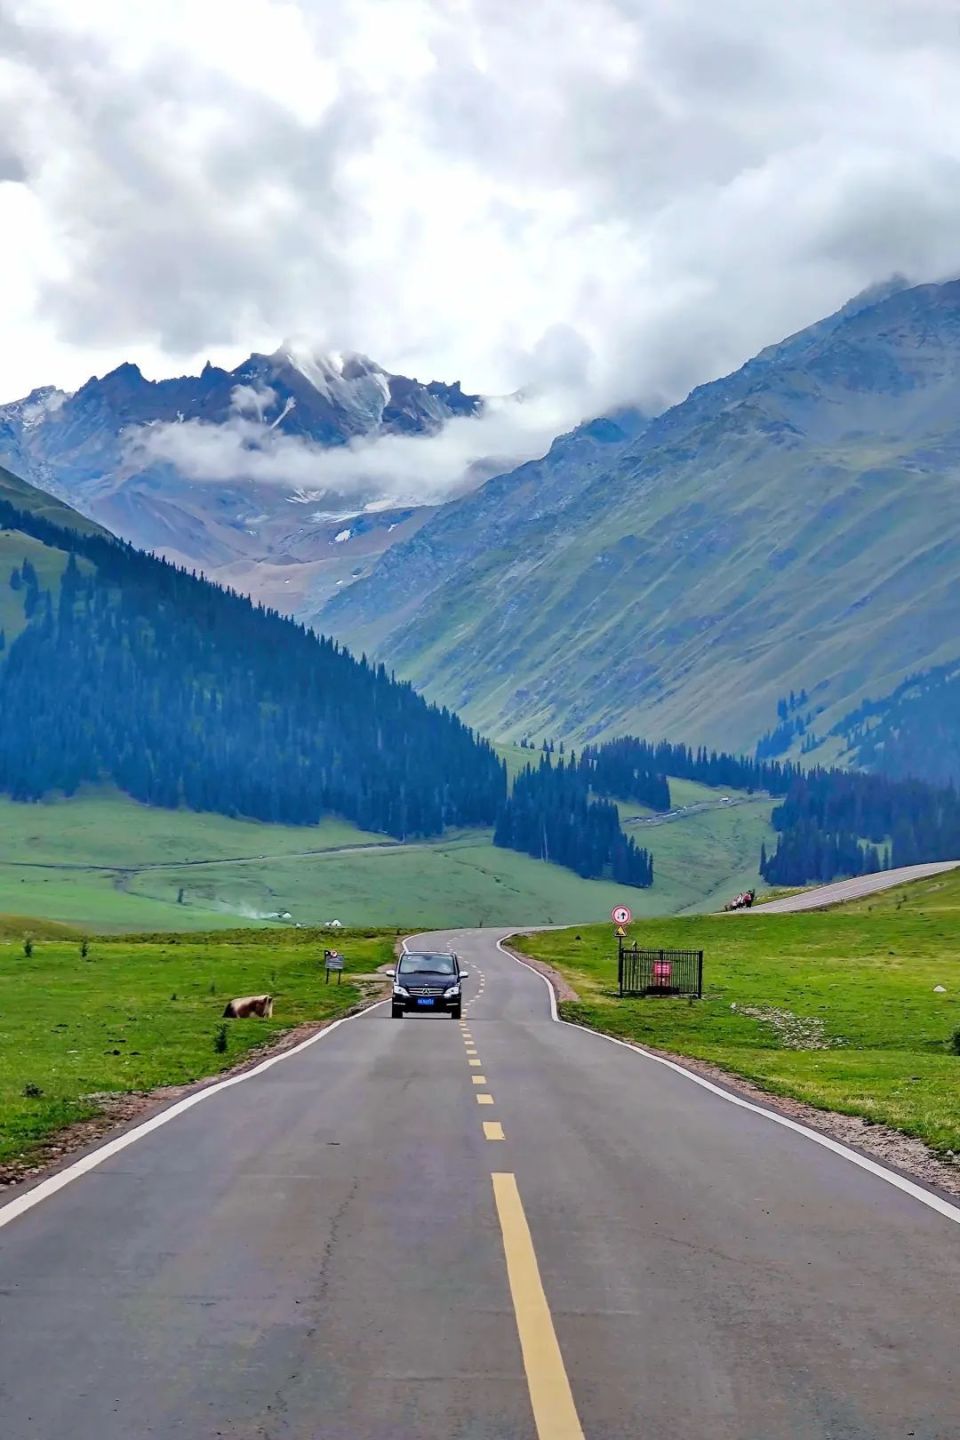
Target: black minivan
{"x":427,"y":983}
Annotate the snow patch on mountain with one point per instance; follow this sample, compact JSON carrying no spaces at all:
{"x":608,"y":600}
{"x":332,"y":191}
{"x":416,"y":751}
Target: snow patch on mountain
{"x":39,"y":404}
{"x":264,"y":465}
{"x":351,"y":382}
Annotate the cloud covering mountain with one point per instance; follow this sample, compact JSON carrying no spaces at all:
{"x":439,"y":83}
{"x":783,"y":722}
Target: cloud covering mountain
{"x":414,"y":467}
{"x":284,"y":476}
{"x":605,"y":201}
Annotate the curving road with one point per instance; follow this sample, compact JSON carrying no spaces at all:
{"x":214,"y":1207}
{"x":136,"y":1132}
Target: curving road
{"x":333,"y":1249}
{"x":854,"y":889}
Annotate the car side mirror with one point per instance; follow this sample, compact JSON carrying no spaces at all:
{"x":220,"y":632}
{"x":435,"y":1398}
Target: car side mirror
{"x":391,"y":974}
{"x":464,"y":974}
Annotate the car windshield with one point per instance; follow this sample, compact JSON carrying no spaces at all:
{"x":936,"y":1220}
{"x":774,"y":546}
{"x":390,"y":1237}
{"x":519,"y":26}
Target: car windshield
{"x":428,"y":965}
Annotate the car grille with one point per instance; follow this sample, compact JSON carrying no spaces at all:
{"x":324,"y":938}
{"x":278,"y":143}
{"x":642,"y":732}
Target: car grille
{"x":426,"y":989}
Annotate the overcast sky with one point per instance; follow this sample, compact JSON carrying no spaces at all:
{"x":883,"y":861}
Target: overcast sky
{"x":611,"y":199}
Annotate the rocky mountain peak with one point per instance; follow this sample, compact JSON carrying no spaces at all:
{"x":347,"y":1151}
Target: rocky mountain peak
{"x":295,"y":402}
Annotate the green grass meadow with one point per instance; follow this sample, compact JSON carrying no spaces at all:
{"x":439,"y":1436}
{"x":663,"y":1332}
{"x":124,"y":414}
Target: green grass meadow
{"x":141,"y":1012}
{"x":859,"y":981}
{"x":703,"y":859}
{"x":101,"y":861}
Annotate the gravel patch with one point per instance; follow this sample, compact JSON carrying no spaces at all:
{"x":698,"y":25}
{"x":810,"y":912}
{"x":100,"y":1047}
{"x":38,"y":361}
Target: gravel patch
{"x":793,"y":1031}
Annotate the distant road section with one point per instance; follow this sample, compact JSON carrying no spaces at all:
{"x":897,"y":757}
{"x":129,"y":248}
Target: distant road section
{"x":850,"y":889}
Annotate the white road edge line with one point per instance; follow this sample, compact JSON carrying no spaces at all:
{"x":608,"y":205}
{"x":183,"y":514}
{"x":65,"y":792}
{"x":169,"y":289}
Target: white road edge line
{"x":47,"y":1188}
{"x":926,"y":1197}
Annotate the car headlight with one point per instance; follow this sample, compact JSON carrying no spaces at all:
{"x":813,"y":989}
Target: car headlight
{"x":399,"y":990}
{"x":452,"y":990}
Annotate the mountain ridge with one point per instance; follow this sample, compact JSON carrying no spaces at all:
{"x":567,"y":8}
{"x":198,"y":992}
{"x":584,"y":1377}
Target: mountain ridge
{"x":776,"y":529}
{"x":98,"y":449}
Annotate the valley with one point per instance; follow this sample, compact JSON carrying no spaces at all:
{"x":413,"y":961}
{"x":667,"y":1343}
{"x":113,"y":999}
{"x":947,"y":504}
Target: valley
{"x":102,"y":862}
{"x":635,"y":578}
{"x":793,"y":525}
{"x":251,"y":474}
{"x":479,"y":856}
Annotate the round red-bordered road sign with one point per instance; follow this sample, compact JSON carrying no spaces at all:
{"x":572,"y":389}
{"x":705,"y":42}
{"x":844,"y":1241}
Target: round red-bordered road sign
{"x":621,"y":915}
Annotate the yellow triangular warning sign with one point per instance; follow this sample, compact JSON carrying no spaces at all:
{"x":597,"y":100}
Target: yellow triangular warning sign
{"x":620,"y":930}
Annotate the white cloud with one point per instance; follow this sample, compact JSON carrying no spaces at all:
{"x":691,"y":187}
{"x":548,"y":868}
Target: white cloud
{"x":253,"y":400}
{"x":400,"y":469}
{"x":612,"y":199}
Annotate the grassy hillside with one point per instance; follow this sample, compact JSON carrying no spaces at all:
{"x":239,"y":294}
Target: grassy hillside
{"x":466,"y":881}
{"x":726,"y":622}
{"x":838,"y":1008}
{"x":704,"y":851}
{"x":38,"y":502}
{"x":79,"y":860}
{"x":794,"y":525}
{"x":702,"y":858}
{"x":106,"y":828}
{"x":17,"y":927}
{"x":102,"y":861}
{"x":138,"y":1013}
{"x":934,"y":900}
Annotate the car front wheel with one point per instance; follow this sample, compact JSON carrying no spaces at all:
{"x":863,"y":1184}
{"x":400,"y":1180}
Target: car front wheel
{"x":455,"y":1014}
{"x":397,"y":1012}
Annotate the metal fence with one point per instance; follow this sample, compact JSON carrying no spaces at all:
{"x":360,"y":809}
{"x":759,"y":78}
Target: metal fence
{"x":660,"y":972}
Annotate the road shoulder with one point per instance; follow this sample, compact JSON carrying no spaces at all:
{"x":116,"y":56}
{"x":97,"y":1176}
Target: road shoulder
{"x":905,"y":1154}
{"x":120,"y":1111}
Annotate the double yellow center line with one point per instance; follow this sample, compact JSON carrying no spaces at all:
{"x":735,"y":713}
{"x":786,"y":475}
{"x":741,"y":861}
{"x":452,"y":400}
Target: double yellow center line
{"x":551,"y":1398}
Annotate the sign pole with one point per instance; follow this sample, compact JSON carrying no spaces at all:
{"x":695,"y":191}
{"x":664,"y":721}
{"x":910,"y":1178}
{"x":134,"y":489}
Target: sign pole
{"x":620,"y":915}
{"x":332,"y":960}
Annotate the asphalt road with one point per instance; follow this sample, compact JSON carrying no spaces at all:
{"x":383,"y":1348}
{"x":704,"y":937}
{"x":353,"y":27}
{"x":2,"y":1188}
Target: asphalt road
{"x":854,"y":889}
{"x":334,"y":1250}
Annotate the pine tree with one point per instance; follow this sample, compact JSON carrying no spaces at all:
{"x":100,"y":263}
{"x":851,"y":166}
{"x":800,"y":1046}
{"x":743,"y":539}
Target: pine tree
{"x":184,"y":693}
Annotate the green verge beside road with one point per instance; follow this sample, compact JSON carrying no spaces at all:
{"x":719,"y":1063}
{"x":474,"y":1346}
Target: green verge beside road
{"x":838,"y":1008}
{"x":142,"y":1012}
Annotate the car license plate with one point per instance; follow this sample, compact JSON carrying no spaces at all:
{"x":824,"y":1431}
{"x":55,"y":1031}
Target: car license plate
{"x":421,"y":1001}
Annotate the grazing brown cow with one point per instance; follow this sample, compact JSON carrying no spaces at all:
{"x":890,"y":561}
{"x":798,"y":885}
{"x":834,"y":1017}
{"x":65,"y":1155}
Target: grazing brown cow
{"x":247,"y":1005}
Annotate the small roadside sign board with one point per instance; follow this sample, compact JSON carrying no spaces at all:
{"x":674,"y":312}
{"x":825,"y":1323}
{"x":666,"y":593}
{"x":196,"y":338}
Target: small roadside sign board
{"x":620,"y":931}
{"x":332,"y":960}
{"x":621,"y":915}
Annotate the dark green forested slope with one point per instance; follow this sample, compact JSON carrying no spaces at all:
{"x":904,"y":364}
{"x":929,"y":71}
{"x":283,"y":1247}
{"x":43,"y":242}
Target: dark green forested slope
{"x":913,"y":732}
{"x":830,"y":822}
{"x":130,"y":670}
{"x":115,"y":666}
